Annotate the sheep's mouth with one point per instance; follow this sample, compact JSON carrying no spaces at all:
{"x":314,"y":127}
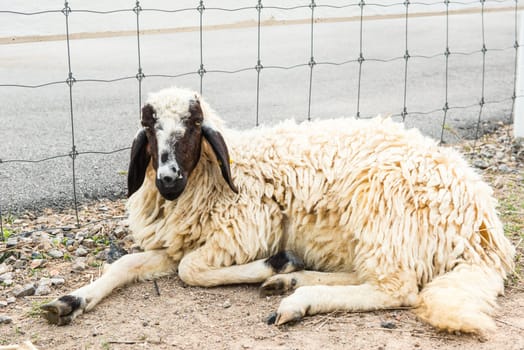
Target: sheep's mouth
{"x":172,"y":191}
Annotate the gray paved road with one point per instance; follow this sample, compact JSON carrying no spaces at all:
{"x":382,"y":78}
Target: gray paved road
{"x":35,"y":123}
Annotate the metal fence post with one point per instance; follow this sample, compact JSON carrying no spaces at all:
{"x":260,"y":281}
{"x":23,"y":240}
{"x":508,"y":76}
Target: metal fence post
{"x":518,"y":110}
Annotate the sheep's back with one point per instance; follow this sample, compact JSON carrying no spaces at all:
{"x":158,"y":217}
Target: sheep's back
{"x":365,"y":193}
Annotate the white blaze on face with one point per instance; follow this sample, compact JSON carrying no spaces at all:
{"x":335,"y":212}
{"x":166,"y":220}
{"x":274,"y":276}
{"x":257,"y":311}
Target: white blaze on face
{"x":168,"y":131}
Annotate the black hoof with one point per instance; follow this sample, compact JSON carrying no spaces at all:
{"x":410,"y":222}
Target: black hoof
{"x":271,"y":319}
{"x":63,"y":310}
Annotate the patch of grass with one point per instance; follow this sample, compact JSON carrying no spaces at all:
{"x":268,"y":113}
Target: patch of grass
{"x":6,"y":233}
{"x":101,"y":239}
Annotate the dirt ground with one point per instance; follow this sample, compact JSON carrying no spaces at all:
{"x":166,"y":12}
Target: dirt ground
{"x":176,"y":316}
{"x":182,"y":317}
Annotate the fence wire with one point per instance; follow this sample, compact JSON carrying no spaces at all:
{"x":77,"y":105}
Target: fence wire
{"x":71,"y":81}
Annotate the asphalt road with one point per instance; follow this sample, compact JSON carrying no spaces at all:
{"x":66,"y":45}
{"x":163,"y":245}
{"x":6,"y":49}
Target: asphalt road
{"x":35,"y":123}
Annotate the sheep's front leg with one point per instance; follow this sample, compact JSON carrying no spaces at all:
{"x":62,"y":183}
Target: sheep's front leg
{"x":129,"y":268}
{"x":194,"y":269}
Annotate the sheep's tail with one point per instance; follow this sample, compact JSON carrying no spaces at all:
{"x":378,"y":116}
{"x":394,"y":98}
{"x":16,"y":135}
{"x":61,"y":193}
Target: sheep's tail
{"x":462,"y":299}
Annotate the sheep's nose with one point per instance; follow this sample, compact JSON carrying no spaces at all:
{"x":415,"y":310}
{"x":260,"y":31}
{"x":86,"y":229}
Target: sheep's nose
{"x":168,"y":179}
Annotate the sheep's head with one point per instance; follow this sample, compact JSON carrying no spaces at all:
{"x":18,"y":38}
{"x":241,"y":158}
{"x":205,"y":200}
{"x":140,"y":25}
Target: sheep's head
{"x":173,"y":129}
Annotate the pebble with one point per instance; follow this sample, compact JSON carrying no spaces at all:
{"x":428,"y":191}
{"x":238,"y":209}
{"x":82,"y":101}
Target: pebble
{"x":388,"y":325}
{"x":11,"y":300}
{"x":81,"y":251}
{"x":480,"y":164}
{"x":43,"y":290}
{"x":4,"y":268}
{"x":11,"y":242}
{"x":78,"y":266}
{"x":19,"y":264}
{"x":8,"y":282}
{"x":37,"y":263}
{"x":227,"y":304}
{"x":5,"y":319}
{"x":88,"y":243}
{"x":57,"y":281}
{"x":103,"y":254}
{"x":115,"y":253}
{"x":6,"y":276}
{"x":504,"y":168}
{"x":24,"y":291}
{"x":55,"y":253}
{"x":3,"y":303}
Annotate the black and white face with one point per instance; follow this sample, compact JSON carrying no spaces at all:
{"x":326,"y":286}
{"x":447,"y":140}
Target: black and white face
{"x":174,"y":126}
{"x":174,"y":145}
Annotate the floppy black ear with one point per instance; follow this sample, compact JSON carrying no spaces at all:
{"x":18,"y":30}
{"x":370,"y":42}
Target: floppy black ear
{"x":218,"y":144}
{"x":140,"y":158}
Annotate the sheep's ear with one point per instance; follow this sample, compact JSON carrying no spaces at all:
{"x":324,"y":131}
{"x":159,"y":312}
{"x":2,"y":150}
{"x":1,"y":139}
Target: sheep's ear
{"x":140,"y":158}
{"x":218,"y":144}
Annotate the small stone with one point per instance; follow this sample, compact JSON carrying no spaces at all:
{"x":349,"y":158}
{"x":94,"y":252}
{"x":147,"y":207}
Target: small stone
{"x":479,"y":163}
{"x":11,"y":242}
{"x":8,"y":282}
{"x":44,"y":243}
{"x":227,"y":304}
{"x":388,"y":325}
{"x":80,"y":235}
{"x":88,"y":243}
{"x":79,"y":266}
{"x":36,"y":255}
{"x":102,"y":255}
{"x":4,"y":268}
{"x":37,"y":263}
{"x":6,"y":276}
{"x":55,"y":253}
{"x":44,"y":281}
{"x":5,"y":319}
{"x":10,"y":261}
{"x":11,"y":300}
{"x":504,"y":168}
{"x":115,"y":253}
{"x":57,"y":281}
{"x":3,"y":303}
{"x":119,"y":232}
{"x":43,"y":290}
{"x":26,"y":290}
{"x":19,"y":264}
{"x":81,"y":251}
{"x":70,"y":248}
{"x":70,"y":242}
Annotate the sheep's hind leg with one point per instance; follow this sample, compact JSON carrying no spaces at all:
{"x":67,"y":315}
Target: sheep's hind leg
{"x":311,"y":300}
{"x":194,"y":270}
{"x":129,"y":268}
{"x":281,"y":283}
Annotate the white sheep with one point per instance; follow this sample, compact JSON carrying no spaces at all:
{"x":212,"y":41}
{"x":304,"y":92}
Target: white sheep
{"x":378,"y":216}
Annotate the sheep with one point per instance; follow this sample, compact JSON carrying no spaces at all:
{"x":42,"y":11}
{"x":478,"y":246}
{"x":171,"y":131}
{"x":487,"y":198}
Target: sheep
{"x":345,"y":214}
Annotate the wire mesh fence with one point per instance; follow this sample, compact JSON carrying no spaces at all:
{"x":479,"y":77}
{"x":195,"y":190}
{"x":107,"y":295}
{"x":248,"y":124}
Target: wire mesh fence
{"x":311,"y":63}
